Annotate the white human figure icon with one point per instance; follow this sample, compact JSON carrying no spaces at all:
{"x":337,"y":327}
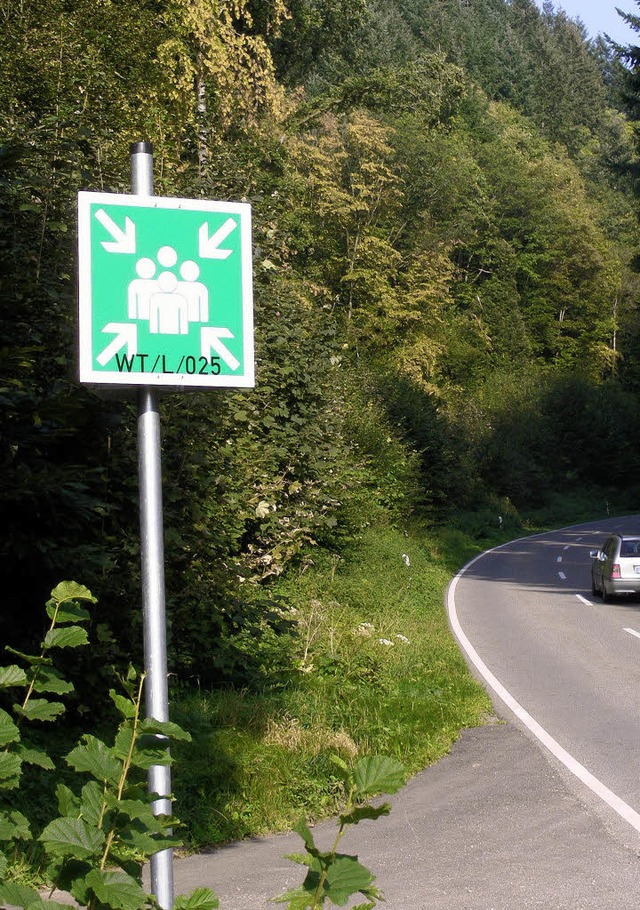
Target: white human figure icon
{"x":168,"y":308}
{"x":195,"y":292}
{"x":141,"y":289}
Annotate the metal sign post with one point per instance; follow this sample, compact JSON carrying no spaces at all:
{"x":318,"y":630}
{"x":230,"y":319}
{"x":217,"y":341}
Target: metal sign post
{"x":165,"y":299}
{"x":152,"y":571}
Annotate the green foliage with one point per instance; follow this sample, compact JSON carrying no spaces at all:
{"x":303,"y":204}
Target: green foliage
{"x":336,"y":877}
{"x":95,"y":849}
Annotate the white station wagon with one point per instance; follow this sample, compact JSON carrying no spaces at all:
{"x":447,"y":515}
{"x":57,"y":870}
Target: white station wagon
{"x":615,"y":569}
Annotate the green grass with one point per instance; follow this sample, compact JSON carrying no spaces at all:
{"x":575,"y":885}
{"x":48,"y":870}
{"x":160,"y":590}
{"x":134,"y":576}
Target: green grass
{"x":377,"y":672}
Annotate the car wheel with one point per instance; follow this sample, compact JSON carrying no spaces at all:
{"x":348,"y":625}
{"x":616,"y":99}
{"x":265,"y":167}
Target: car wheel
{"x":606,"y":597}
{"x":594,"y":590}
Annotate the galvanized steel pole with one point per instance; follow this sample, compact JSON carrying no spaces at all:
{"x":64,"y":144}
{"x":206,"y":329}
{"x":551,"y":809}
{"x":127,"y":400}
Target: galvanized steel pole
{"x":152,"y":569}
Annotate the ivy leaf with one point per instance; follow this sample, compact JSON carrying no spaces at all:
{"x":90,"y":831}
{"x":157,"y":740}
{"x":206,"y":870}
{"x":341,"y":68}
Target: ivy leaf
{"x":94,"y":757}
{"x":199,"y":899}
{"x":378,"y":774}
{"x":117,"y":890}
{"x":66,"y":637}
{"x":9,"y":733}
{"x":12,"y":676}
{"x":40,"y":709}
{"x":72,"y":837}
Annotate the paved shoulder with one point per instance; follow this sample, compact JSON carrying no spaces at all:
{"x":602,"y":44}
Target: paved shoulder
{"x":492,"y":826}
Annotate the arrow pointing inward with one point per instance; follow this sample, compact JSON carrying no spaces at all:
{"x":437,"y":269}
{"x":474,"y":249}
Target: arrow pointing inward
{"x":210,"y":341}
{"x":208,"y":246}
{"x":123,"y":241}
{"x":125,"y":334}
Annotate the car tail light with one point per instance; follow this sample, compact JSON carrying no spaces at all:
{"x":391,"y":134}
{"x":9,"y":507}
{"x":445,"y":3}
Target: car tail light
{"x":615,"y":571}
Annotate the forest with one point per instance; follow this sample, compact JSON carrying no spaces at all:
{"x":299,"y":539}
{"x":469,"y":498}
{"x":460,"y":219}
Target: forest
{"x":445,"y":224}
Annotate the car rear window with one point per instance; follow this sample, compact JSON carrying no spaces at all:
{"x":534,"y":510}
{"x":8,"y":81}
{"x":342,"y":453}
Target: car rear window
{"x":630,"y":548}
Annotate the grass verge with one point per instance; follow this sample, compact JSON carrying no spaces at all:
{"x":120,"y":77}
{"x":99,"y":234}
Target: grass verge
{"x":377,"y":671}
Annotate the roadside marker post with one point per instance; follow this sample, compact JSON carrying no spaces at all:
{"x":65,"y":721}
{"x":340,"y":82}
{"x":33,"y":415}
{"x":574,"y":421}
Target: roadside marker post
{"x":165,"y":299}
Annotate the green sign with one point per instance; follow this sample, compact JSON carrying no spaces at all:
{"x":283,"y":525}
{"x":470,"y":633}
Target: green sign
{"x":165,"y":291}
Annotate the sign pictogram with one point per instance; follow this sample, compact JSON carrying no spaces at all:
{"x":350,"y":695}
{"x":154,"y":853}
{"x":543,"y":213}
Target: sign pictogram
{"x":165,"y":291}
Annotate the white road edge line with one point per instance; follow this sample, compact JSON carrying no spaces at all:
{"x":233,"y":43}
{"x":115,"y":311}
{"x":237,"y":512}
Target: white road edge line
{"x":633,"y":632}
{"x":596,"y":786}
{"x":562,"y":576}
{"x":584,"y":600}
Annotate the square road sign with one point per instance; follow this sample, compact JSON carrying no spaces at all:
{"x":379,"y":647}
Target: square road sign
{"x":165,"y":291}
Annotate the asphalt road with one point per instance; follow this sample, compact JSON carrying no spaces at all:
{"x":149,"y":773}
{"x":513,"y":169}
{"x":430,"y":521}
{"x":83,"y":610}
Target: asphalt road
{"x":506,"y":821}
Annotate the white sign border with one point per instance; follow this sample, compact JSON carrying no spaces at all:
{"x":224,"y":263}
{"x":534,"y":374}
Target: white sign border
{"x":87,"y":374}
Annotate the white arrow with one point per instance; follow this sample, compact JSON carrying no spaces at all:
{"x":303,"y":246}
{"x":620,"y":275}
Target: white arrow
{"x":210,"y":340}
{"x":123,"y":241}
{"x":125,"y":334}
{"x":208,"y":246}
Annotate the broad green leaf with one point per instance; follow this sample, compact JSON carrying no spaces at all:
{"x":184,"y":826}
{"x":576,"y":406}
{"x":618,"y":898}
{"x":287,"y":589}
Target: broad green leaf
{"x":4,"y":862}
{"x":14,"y":826}
{"x":136,"y":809}
{"x":122,"y":742}
{"x":302,"y":859}
{"x":9,"y":733}
{"x":117,"y":890}
{"x":10,"y":768}
{"x":378,"y":774}
{"x":95,"y":758}
{"x":146,"y":758}
{"x":200,"y":899}
{"x":72,"y":837}
{"x":35,"y":757}
{"x":7,"y":828}
{"x":48,"y":679}
{"x":43,"y":904}
{"x":297,"y":898}
{"x":91,"y":807}
{"x":345,"y":877}
{"x":17,"y":895}
{"x":66,"y":637}
{"x":68,"y":802}
{"x":303,"y":830}
{"x":165,"y":728}
{"x":70,"y":611}
{"x":12,"y":676}
{"x":365,"y":812}
{"x":125,"y":706}
{"x":71,"y":590}
{"x":40,"y":709}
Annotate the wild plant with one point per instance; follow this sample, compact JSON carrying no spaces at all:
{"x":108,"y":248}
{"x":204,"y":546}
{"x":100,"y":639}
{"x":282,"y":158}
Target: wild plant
{"x":97,"y":845}
{"x":334,"y":878}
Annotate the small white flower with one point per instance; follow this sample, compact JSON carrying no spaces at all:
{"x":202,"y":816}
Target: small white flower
{"x":406,"y":559}
{"x":365,"y":629}
{"x":385,"y":642}
{"x":402,"y":638}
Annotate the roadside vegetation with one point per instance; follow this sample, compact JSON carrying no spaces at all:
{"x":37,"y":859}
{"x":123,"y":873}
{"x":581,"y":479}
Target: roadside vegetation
{"x":444,"y":202}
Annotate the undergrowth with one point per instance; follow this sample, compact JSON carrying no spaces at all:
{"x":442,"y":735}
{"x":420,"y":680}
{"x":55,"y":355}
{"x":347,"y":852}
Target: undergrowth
{"x":377,"y":671}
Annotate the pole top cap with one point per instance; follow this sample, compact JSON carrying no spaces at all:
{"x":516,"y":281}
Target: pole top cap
{"x":141,"y":148}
